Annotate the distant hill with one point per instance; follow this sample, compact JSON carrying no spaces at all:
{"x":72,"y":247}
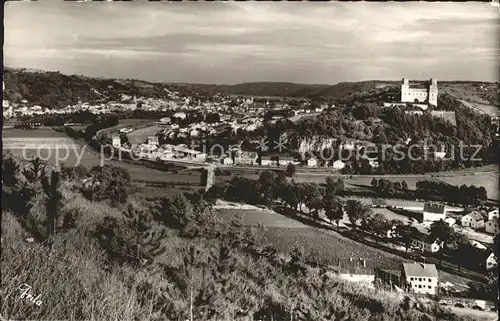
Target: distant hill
{"x":340,"y":90}
{"x":56,"y":90}
{"x":265,"y":89}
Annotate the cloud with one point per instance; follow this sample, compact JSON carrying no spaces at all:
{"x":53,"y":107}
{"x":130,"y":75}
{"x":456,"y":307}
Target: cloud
{"x":228,"y":42}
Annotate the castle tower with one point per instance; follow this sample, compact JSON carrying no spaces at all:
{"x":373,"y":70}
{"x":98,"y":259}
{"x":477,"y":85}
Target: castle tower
{"x":433,"y":92}
{"x":405,"y":89}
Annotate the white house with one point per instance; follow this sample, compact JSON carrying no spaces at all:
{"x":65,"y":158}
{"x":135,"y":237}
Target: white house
{"x":439,"y":154}
{"x":493,"y":214}
{"x":348,"y":145}
{"x":312,"y":162}
{"x":338,"y":165}
{"x":391,"y":232}
{"x":450,"y":220}
{"x":227,"y":161}
{"x":425,"y":243}
{"x":285,"y":160}
{"x":434,"y":212}
{"x":165,"y":120}
{"x":180,"y":115}
{"x":492,"y":226}
{"x":420,"y":278}
{"x":474,"y":220}
{"x":247,"y":158}
{"x":491,"y":261}
{"x":153,"y":141}
{"x":267,"y":161}
{"x":117,"y":142}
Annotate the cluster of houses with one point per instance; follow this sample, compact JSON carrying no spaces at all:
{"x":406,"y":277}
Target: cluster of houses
{"x":285,"y":159}
{"x":415,"y":277}
{"x":197,"y":129}
{"x":435,"y":212}
{"x":153,"y":151}
{"x":489,"y":222}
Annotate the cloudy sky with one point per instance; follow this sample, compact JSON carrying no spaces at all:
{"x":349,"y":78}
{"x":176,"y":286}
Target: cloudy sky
{"x":229,"y":42}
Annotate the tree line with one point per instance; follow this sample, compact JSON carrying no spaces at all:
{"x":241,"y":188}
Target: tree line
{"x":451,"y":193}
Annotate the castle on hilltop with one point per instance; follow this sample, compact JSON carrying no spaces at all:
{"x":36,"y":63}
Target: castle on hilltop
{"x":419,"y":94}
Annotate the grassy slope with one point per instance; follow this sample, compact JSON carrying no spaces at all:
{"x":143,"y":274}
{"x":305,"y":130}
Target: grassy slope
{"x":485,"y":100}
{"x":75,"y":282}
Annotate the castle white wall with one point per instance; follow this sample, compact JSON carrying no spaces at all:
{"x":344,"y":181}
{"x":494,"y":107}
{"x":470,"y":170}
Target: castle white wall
{"x":419,"y":95}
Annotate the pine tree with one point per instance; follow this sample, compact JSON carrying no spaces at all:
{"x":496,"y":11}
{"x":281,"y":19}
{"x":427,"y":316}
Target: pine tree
{"x":34,"y":173}
{"x":53,"y":199}
{"x":10,"y":168}
{"x":143,"y":244}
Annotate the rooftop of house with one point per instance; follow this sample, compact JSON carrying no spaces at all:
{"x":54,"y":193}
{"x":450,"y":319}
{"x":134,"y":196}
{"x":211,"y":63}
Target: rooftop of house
{"x":245,"y":154}
{"x":434,"y":208}
{"x":420,"y":269}
{"x":425,"y":238}
{"x":354,"y":266}
{"x":475,"y":216}
{"x":392,"y":272}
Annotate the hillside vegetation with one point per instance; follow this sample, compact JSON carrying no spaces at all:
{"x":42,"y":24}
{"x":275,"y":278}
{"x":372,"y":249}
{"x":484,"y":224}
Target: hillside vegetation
{"x":169,"y":259}
{"x":284,"y":89}
{"x":56,"y":90}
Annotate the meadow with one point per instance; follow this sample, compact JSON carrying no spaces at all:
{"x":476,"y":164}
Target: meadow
{"x":84,"y":155}
{"x":490,"y":181}
{"x":325,"y":246}
{"x":257,"y":216}
{"x":140,"y":135}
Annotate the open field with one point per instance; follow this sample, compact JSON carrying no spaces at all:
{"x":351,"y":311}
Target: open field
{"x":134,"y":121}
{"x":141,"y":135}
{"x":327,"y":246}
{"x":127,"y":123}
{"x":480,"y":97}
{"x":45,"y":132}
{"x":490,"y":181}
{"x":84,"y":155}
{"x":390,"y":215}
{"x":263,"y":217}
{"x":483,"y":108}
